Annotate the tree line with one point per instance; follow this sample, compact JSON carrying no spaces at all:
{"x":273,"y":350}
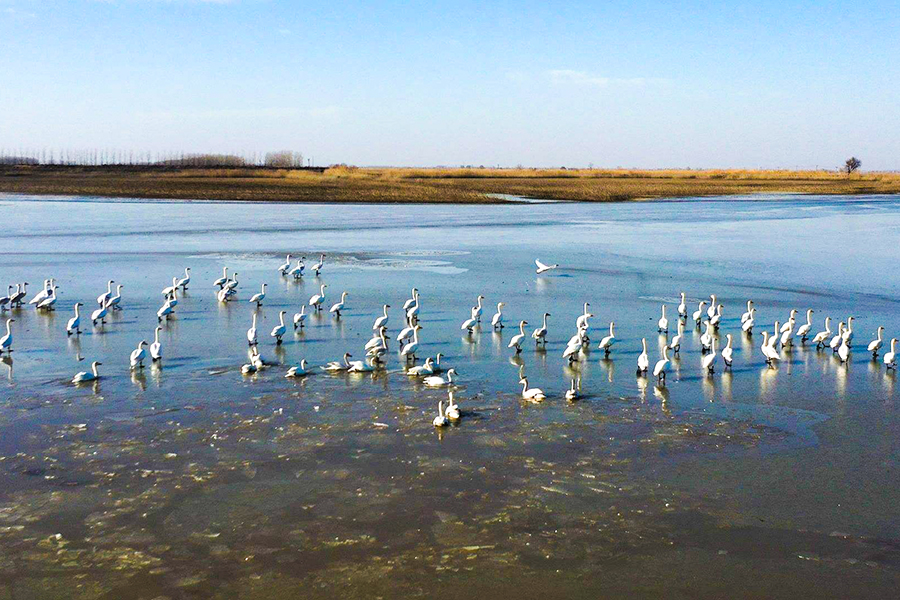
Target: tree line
{"x":283,"y":159}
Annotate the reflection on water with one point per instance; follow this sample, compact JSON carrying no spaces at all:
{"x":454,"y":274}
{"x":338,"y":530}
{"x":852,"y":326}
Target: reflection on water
{"x":188,"y":479}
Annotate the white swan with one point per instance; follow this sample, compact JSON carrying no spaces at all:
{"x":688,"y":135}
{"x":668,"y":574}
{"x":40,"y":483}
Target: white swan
{"x":452,"y":410}
{"x":844,"y":350}
{"x":409,"y":350}
{"x":789,"y":324}
{"x":643,"y":361}
{"x":438,"y":381}
{"x":221,"y":281}
{"x":232,"y":283}
{"x":540,"y":335}
{"x":716,"y":319}
{"x":478,"y":309}
{"x":663,"y":323}
{"x":469,"y":324}
{"x":436,"y":367}
{"x":164,"y":312}
{"x":299,"y":371}
{"x":698,"y":314}
{"x":379,"y":340}
{"x":6,"y":340}
{"x":747,"y":326}
{"x":607,"y":342}
{"x":682,"y":307}
{"x":821,"y":338}
{"x":74,"y":324}
{"x":382,"y":321}
{"x":709,"y":360}
{"x":542,"y":268}
{"x":318,"y":266}
{"x":531,"y":394}
{"x":7,"y":299}
{"x":43,"y":293}
{"x":91,"y":375}
{"x":339,"y":306}
{"x":251,"y":333}
{"x":675,"y":344}
{"x":875,"y":345}
{"x":773,"y":341}
{"x":748,"y":313}
{"x":412,"y":314}
{"x":497,"y":319}
{"x":659,"y":370}
{"x":248,"y":369}
{"x":711,"y":311}
{"x":582,"y":321}
{"x":156,"y":346}
{"x":297,"y":272}
{"x":412,"y":300}
{"x":516,"y":341}
{"x":728,"y":352}
{"x":572,"y":393}
{"x":422,"y":370}
{"x":116,"y":300}
{"x":835,"y":342}
{"x":168,"y":291}
{"x":440,"y":420}
{"x":279,"y":330}
{"x":19,"y":296}
{"x":803,"y":330}
{"x":405,"y":333}
{"x":890,"y":358}
{"x":283,"y":269}
{"x":848,"y":331}
{"x":99,"y":315}
{"x":317,"y":300}
{"x":184,"y":281}
{"x":707,"y":338}
{"x":48,"y":302}
{"x":337,"y":366}
{"x":787,"y":331}
{"x":770,"y":353}
{"x":138,"y":355}
{"x":362,"y":366}
{"x":573,"y":350}
{"x":258,"y":298}
{"x":300,"y":317}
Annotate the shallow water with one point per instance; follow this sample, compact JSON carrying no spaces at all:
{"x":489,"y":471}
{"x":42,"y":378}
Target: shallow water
{"x":193,"y":481}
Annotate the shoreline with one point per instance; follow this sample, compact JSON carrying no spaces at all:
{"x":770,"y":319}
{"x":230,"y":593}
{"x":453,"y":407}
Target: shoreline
{"x":340,"y":185}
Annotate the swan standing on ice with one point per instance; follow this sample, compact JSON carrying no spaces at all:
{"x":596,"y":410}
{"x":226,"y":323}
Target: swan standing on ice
{"x":709,"y":361}
{"x":789,"y":324}
{"x":409,"y":350}
{"x":478,"y":309}
{"x":707,"y":338}
{"x":844,"y":350}
{"x":279,"y":330}
{"x":728,"y":352}
{"x":99,"y":315}
{"x":7,"y":299}
{"x":91,"y":375}
{"x":682,"y":307}
{"x":297,"y":271}
{"x":168,"y":291}
{"x":643,"y":361}
{"x":138,"y":355}
{"x":542,"y":268}
{"x":659,"y":371}
{"x":716,"y":319}
{"x":469,"y":324}
{"x":317,"y":300}
{"x":748,"y":314}
{"x":116,"y":300}
{"x":497,"y":319}
{"x":163,"y":313}
{"x":698,"y":314}
{"x":803,"y":330}
{"x":440,"y":420}
{"x":663,"y":324}
{"x":438,"y":381}
{"x":283,"y":269}
{"x":770,"y":353}
{"x":711,"y":311}
{"x":318,"y":266}
{"x":48,"y":283}
{"x":6,"y":340}
{"x":890,"y":358}
{"x":221,"y":281}
{"x":184,"y":281}
{"x":516,"y":341}
{"x":875,"y":345}
{"x":19,"y":296}
{"x":848,"y":332}
{"x":531,"y":394}
{"x":300,"y":371}
{"x":412,"y":300}
{"x":787,"y":332}
{"x":300,"y":317}
{"x":822,"y":337}
{"x":607,"y":342}
{"x":339,"y":306}
{"x":378,"y":346}
{"x":156,"y":347}
{"x":412,"y":313}
{"x":251,"y":333}
{"x":540,"y":334}
{"x":48,"y":302}
{"x":74,"y":324}
{"x":582,"y":321}
{"x":232,"y":283}
{"x":835,"y":342}
{"x":258,"y":298}
{"x":675,"y":345}
{"x":747,"y":326}
{"x":572,"y":393}
{"x":382,"y":321}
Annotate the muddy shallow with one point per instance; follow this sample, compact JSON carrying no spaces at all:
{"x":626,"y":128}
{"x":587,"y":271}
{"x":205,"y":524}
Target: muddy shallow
{"x":193,"y":481}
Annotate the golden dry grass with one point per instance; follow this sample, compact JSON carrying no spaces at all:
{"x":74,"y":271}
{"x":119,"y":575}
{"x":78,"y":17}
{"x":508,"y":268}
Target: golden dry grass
{"x":385,"y":185}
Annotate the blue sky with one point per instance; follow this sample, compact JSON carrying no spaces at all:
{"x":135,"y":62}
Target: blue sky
{"x":633,"y":84}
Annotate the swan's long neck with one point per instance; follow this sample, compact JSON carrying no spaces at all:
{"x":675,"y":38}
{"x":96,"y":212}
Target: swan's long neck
{"x":524,"y":385}
{"x":8,"y":325}
{"x":585,"y":309}
{"x":109,"y":287}
{"x":416,"y":335}
{"x":449,"y":377}
{"x":809,"y":318}
{"x":612,"y":328}
{"x":663,"y":311}
{"x":879,"y":334}
{"x":644,"y":345}
{"x":545,"y":321}
{"x":281,"y":318}
{"x":665,"y":353}
{"x":522,"y":328}
{"x":94,"y":370}
{"x":76,"y":311}
{"x":322,"y":290}
{"x":254,"y":320}
{"x":156,"y":337}
{"x":385,"y":309}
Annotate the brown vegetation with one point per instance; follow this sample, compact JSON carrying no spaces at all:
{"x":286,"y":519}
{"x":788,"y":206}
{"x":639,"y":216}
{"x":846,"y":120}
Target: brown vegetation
{"x":386,"y":185}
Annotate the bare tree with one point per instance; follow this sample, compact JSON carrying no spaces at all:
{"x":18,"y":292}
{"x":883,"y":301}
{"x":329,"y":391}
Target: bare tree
{"x":851,"y":165}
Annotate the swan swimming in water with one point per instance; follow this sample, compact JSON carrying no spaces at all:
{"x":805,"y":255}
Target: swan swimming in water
{"x":452,"y":410}
{"x":438,"y":381}
{"x":531,"y":394}
{"x":440,"y":420}
{"x":338,"y":366}
{"x":422,"y":370}
{"x":92,"y":375}
{"x":542,"y":268}
{"x":74,"y":324}
{"x":300,"y":371}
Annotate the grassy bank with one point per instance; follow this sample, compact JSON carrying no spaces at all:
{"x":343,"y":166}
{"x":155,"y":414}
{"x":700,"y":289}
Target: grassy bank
{"x":383,"y":185}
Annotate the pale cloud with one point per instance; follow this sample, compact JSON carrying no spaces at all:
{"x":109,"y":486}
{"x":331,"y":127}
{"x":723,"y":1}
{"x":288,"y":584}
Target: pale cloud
{"x":240,"y":114}
{"x":585,"y":78}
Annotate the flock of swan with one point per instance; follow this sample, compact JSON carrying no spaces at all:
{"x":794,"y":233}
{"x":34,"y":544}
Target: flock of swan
{"x":706,"y":318}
